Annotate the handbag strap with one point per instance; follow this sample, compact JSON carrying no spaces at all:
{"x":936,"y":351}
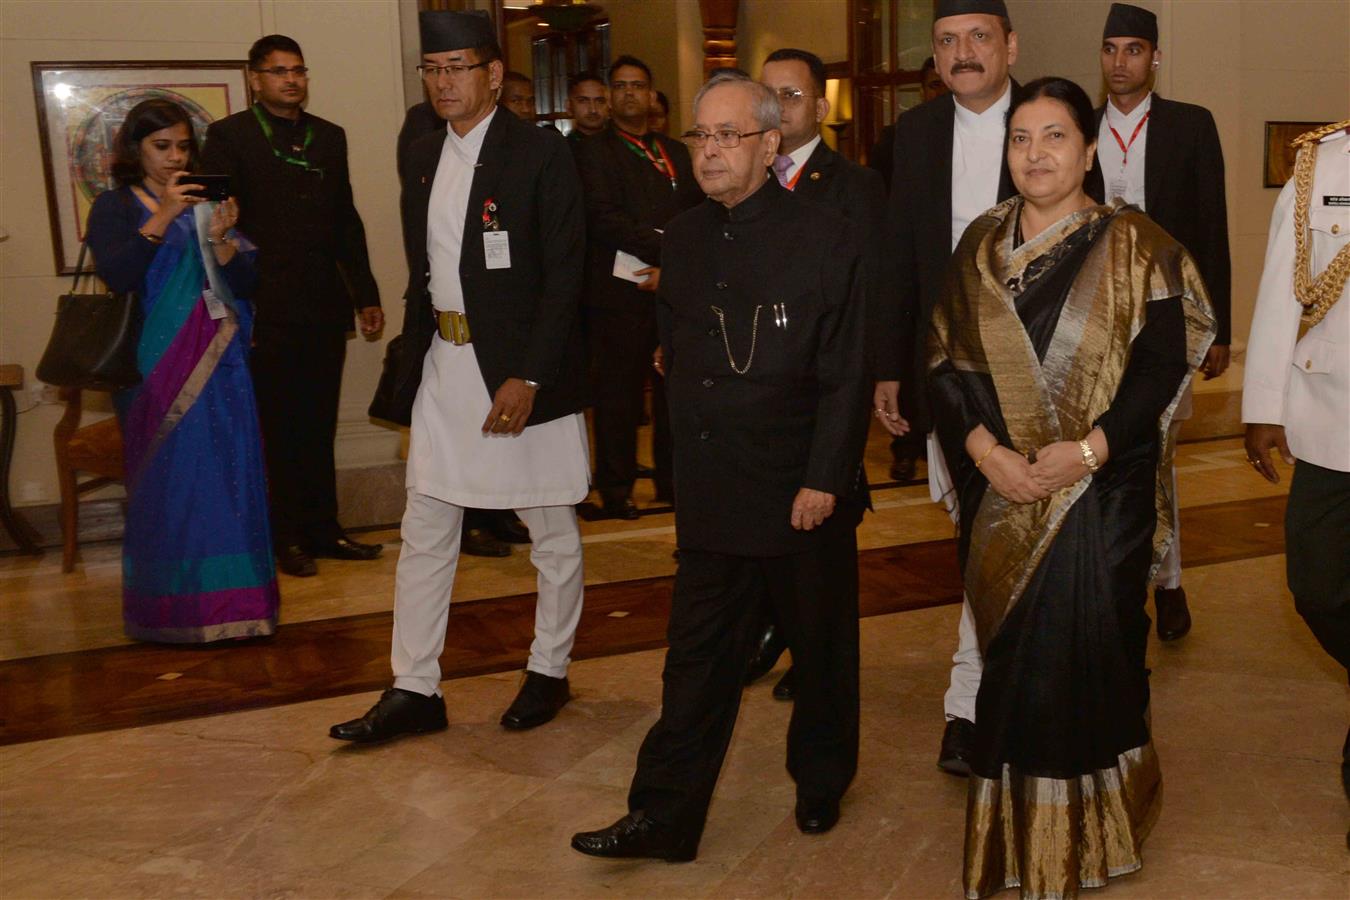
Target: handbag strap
{"x":79,"y":267}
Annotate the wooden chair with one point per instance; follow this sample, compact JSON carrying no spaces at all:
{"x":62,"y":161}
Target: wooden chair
{"x":95,"y":449}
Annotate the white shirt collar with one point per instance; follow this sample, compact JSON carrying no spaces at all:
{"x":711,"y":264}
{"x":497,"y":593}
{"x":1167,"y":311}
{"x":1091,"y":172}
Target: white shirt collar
{"x":1135,"y":116}
{"x":471,"y":143}
{"x":990,"y":121}
{"x":803,"y":153}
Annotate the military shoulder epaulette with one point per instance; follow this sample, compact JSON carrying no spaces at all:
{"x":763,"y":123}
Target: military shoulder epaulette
{"x":1318,"y":133}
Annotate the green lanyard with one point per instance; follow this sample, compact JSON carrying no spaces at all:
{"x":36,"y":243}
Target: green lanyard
{"x":285,"y":157}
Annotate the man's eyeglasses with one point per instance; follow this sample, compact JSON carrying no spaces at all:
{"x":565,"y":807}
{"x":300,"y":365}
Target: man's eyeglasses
{"x":790,"y":96}
{"x":455,"y":70}
{"x":726,"y":138}
{"x":283,"y":71}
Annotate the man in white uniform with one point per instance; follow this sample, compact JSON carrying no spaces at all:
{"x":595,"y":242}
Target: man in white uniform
{"x":1296,"y":391}
{"x":491,"y":352}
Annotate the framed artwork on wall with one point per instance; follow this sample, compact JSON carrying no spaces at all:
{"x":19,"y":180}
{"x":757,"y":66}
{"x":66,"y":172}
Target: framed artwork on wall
{"x":1279,"y":166}
{"x":80,"y":106}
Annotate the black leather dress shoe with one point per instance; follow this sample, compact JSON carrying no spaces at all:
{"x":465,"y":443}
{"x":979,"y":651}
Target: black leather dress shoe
{"x":398,"y":712}
{"x":903,"y":469}
{"x":634,"y":837}
{"x":293,"y":560}
{"x":506,"y":526}
{"x":623,"y":508}
{"x":345,"y":548}
{"x":481,"y":542}
{"x":816,"y":816}
{"x":539,"y":700}
{"x":958,"y":742}
{"x":1174,"y":617}
{"x":770,"y":646}
{"x":786,"y":688}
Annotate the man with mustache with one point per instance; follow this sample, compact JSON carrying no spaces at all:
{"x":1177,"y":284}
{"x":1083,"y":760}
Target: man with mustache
{"x":1164,"y":157}
{"x":289,"y":170}
{"x":948,"y":168}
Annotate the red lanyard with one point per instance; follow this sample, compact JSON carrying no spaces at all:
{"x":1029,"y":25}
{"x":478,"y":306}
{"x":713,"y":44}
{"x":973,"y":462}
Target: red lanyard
{"x":662,"y":165}
{"x":792,"y":182}
{"x":1124,"y":147}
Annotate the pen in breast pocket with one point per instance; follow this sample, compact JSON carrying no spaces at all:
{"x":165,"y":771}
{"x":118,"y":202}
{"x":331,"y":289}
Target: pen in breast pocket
{"x":780,"y":316}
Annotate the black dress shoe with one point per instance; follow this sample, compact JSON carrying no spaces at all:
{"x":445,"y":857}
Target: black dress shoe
{"x":293,"y":560}
{"x":623,"y":508}
{"x":506,"y":526}
{"x":539,"y":700}
{"x":481,"y":542}
{"x":398,"y":712}
{"x":345,"y":548}
{"x":786,"y":688}
{"x":771,"y":646}
{"x":903,"y":469}
{"x":1174,"y":617}
{"x":816,"y":816}
{"x":958,"y":742}
{"x":635,"y":837}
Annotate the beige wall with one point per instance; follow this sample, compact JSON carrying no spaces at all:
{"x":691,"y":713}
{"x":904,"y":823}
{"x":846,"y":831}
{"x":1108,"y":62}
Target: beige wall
{"x":820,"y":26}
{"x":354,"y":51}
{"x":1247,"y":61}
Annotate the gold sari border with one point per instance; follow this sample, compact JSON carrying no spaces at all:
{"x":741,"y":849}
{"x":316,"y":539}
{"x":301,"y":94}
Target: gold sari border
{"x":202,"y":634}
{"x":1053,"y":836}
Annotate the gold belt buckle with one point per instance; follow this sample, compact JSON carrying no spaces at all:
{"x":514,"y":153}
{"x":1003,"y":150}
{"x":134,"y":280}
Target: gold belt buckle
{"x":453,"y":326}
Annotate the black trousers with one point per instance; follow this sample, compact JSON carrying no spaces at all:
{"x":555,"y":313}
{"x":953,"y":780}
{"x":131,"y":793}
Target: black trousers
{"x":1316,"y":528}
{"x":621,"y":345}
{"x":297,"y":375}
{"x":712,"y":633}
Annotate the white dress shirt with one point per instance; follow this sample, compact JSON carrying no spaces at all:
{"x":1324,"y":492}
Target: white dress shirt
{"x":799,"y":158}
{"x":446,"y":210}
{"x":977,"y":161}
{"x":1124,"y":173}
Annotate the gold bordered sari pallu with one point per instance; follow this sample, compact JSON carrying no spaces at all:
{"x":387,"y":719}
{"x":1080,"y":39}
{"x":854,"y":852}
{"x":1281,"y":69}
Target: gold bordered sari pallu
{"x":1051,"y":835}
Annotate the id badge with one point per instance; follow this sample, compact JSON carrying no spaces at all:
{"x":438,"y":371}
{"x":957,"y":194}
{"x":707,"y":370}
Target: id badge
{"x":1117,"y":188}
{"x":215,"y":307}
{"x":496,"y":250}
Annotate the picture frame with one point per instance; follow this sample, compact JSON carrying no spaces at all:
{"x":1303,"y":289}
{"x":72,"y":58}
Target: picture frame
{"x":81,"y":105}
{"x":1279,"y":157}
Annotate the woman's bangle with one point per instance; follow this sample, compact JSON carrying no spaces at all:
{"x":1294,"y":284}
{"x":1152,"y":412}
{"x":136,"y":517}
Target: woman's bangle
{"x":992,"y":447}
{"x":222,"y":242}
{"x":1089,"y":457}
{"x":152,"y":238}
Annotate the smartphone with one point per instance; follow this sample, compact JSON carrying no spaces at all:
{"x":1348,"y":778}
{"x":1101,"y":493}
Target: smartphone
{"x":210,"y":187}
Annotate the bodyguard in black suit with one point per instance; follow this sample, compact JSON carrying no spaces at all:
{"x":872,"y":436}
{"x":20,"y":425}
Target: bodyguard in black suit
{"x":635,"y":181}
{"x":811,"y":170}
{"x":289,"y":170}
{"x":762,"y":336}
{"x":949,"y":166}
{"x":487,"y":371}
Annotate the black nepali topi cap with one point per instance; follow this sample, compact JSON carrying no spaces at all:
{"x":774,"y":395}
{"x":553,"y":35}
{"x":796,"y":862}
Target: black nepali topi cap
{"x":444,"y":30}
{"x":1125,"y":20}
{"x":947,"y":8}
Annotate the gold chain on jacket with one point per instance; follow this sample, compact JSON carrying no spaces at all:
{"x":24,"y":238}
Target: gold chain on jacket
{"x":1316,"y":295}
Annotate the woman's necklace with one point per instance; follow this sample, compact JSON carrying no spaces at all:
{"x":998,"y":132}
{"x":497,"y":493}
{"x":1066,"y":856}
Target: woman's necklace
{"x":726,"y":342}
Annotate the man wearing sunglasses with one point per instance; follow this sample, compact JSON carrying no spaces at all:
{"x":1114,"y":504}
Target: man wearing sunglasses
{"x":288,"y":169}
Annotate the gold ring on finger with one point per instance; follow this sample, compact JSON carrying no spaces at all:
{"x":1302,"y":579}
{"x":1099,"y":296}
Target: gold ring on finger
{"x":504,"y":418}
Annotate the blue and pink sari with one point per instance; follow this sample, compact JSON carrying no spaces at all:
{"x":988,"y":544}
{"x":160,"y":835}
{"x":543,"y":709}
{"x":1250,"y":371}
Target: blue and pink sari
{"x":197,"y":561}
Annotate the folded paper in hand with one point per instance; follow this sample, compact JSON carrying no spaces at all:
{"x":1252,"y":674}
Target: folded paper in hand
{"x":625,"y":264}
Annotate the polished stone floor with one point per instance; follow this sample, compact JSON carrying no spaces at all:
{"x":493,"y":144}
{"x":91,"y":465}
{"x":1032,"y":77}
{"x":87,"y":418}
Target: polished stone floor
{"x":1249,"y":716}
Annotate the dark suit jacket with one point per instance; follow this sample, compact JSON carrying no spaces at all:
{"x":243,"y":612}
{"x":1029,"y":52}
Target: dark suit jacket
{"x":919,"y":240}
{"x":857,"y":193}
{"x":421,"y":119}
{"x":627,"y":200}
{"x":313,"y":267}
{"x":1184,"y":193}
{"x":745,"y":443}
{"x":524,"y":319}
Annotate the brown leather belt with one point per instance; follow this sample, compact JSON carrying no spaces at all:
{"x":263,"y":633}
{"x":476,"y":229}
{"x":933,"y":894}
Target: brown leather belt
{"x":453,"y":326}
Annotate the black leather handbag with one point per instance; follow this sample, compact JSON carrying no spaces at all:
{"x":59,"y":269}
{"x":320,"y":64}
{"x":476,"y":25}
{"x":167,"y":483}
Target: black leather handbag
{"x":93,"y":344}
{"x":400,"y":378}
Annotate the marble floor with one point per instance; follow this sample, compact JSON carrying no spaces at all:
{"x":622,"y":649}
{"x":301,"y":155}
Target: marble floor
{"x":1249,"y":716}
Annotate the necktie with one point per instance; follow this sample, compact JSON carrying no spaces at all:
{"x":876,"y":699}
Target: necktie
{"x":781,"y":164}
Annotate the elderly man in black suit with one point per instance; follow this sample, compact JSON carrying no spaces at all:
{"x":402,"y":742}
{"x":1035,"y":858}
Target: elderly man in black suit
{"x":1164,"y":157}
{"x":948,"y":168}
{"x":810,"y":169}
{"x":488,"y":371}
{"x":289,"y":170}
{"x":763,"y":351}
{"x":635,"y":181}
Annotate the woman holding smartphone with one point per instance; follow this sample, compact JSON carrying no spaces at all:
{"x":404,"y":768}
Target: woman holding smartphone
{"x":197,"y":555}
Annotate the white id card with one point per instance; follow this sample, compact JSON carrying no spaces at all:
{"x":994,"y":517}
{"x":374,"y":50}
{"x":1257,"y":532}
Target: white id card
{"x":215,"y":307}
{"x":1117,"y":188}
{"x":496,"y":250}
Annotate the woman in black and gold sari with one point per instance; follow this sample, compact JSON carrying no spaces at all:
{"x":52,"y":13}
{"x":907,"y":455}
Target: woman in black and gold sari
{"x":1064,"y":339}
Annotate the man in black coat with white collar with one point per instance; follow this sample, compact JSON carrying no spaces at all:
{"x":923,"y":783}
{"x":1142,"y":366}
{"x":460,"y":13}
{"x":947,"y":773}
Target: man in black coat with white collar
{"x":488,"y":372}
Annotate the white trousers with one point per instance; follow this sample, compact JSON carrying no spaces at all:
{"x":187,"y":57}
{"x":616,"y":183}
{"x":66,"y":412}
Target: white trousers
{"x":426,"y":577}
{"x":967,"y":665}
